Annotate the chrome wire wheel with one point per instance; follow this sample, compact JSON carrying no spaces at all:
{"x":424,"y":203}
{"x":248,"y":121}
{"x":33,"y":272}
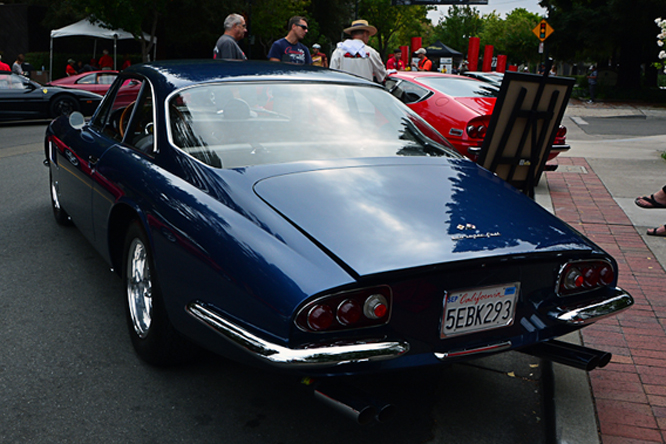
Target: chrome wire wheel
{"x":139,"y":288}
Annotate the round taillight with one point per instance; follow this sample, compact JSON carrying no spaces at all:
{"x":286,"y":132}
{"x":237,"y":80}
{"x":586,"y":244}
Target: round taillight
{"x":349,"y":312}
{"x":573,"y":279}
{"x":592,"y":277}
{"x":481,"y":132}
{"x":320,"y":317}
{"x":471,"y":131}
{"x":606,"y":275}
{"x":375,"y":307}
{"x":561,"y":131}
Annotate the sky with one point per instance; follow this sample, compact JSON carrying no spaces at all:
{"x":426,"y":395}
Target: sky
{"x":502,"y":7}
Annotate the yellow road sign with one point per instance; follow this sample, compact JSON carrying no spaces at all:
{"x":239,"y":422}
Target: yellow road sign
{"x":543,"y":30}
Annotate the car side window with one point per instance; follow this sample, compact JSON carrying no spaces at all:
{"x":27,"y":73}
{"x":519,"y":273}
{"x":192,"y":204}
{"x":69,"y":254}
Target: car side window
{"x":408,"y":92}
{"x":139,"y":133}
{"x":87,"y":80}
{"x":116,"y":108}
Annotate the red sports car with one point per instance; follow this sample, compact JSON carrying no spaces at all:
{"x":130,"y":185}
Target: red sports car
{"x":95,"y":81}
{"x":458,"y":107}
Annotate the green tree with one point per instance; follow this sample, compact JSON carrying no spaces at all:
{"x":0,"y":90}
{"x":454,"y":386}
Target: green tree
{"x":134,"y":16}
{"x":270,"y":17}
{"x":619,"y":34}
{"x":460,"y":23}
{"x":519,"y":42}
{"x":391,"y":20}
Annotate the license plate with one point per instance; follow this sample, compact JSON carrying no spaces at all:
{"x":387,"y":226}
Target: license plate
{"x":479,"y":309}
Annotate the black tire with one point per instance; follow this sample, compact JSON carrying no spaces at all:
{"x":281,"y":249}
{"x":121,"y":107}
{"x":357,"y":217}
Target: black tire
{"x":153,"y":336}
{"x":60,"y":215}
{"x":64,"y":106}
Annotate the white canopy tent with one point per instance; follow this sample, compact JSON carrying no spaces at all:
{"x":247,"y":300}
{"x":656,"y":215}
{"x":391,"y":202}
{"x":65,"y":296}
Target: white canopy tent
{"x":86,"y":28}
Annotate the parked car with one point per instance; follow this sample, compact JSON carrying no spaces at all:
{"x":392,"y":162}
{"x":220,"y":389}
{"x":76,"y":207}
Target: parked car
{"x":306,"y":220}
{"x":94,"y":81}
{"x":99,"y":82}
{"x":492,"y":77}
{"x":458,"y":107}
{"x":22,"y":98}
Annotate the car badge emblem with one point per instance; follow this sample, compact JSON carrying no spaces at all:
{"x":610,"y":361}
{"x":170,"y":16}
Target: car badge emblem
{"x":468,"y":227}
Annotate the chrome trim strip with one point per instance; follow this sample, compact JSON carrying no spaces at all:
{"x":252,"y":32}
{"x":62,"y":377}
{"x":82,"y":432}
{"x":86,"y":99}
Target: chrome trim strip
{"x":318,"y":355}
{"x":474,"y":351}
{"x":560,"y":148}
{"x":621,"y":300}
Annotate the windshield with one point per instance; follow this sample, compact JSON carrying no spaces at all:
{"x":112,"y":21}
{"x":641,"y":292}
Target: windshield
{"x":230,"y":125}
{"x":460,"y":86}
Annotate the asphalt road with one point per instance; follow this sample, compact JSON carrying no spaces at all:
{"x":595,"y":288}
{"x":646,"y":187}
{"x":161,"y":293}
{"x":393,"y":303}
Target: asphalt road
{"x":68,"y":373}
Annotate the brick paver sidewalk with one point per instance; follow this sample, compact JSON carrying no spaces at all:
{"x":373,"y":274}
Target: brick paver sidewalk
{"x":629,"y":393}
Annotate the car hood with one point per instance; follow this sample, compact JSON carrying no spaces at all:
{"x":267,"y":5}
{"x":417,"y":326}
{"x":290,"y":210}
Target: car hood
{"x":380,"y":218}
{"x":480,"y":105}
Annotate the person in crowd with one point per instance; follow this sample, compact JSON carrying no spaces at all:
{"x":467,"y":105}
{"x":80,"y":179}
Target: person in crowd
{"x":425,"y":64}
{"x":654,"y":201}
{"x":4,"y":66}
{"x":289,"y":49}
{"x":105,"y":62}
{"x":592,"y":83}
{"x":395,"y":61}
{"x":70,"y":70}
{"x":17,"y":66}
{"x":318,"y":57}
{"x":126,"y":62}
{"x":227,"y":45}
{"x":81,"y":67}
{"x":553,"y":70}
{"x":355,"y":56}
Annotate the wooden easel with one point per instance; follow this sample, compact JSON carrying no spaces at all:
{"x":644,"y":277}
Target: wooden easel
{"x":523,"y":126}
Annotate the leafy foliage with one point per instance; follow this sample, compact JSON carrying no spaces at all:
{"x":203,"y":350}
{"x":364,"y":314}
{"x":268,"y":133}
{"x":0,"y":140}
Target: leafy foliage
{"x":460,"y":23}
{"x":390,"y":21}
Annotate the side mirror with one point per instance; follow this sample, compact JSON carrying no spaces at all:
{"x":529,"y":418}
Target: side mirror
{"x":76,"y":120}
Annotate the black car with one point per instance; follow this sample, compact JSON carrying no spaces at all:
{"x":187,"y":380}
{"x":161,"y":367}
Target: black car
{"x":22,"y":98}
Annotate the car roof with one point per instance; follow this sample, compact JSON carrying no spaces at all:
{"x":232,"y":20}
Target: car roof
{"x":175,"y":74}
{"x":416,"y":74}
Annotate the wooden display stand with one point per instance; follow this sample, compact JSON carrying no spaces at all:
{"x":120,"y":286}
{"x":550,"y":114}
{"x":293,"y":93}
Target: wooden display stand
{"x":523,"y":126}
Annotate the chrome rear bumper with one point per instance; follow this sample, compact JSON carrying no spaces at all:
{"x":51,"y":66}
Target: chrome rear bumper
{"x":318,"y":355}
{"x":621,"y":300}
{"x":559,"y":148}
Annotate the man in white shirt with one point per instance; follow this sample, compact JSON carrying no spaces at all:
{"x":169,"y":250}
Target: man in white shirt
{"x":355,"y":56}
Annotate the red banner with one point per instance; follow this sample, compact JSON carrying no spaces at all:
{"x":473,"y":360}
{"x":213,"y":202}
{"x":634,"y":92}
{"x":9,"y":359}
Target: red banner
{"x":404,"y":55}
{"x":416,"y":44}
{"x":488,"y":58}
{"x":473,"y":53}
{"x":501,"y":63}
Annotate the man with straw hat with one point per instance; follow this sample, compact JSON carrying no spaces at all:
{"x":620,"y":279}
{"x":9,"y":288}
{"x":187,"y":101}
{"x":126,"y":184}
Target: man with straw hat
{"x":355,"y":56}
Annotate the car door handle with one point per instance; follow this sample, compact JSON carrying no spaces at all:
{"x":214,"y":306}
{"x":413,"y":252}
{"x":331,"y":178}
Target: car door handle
{"x":92,"y":161}
{"x":72,"y":158}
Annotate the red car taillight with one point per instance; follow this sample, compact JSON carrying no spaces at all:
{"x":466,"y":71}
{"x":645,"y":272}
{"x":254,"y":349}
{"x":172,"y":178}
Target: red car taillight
{"x":561,"y":131}
{"x":576,"y":277}
{"x":349,"y":310}
{"x":477,"y":127}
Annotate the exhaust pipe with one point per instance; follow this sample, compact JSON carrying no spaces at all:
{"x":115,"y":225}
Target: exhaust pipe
{"x":573,"y":355}
{"x":353,"y":403}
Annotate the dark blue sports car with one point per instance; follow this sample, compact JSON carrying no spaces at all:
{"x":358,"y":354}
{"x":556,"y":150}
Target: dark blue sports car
{"x":305,"y":219}
{"x":22,"y":98}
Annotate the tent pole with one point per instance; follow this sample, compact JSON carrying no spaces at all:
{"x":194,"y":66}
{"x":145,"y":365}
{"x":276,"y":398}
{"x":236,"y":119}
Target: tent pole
{"x":51,"y":62}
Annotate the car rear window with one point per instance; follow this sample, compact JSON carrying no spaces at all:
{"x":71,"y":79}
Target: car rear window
{"x":232,"y":125}
{"x":460,"y":86}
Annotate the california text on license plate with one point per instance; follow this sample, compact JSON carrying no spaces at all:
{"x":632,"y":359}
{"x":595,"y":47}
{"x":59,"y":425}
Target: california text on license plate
{"x":479,"y":309}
